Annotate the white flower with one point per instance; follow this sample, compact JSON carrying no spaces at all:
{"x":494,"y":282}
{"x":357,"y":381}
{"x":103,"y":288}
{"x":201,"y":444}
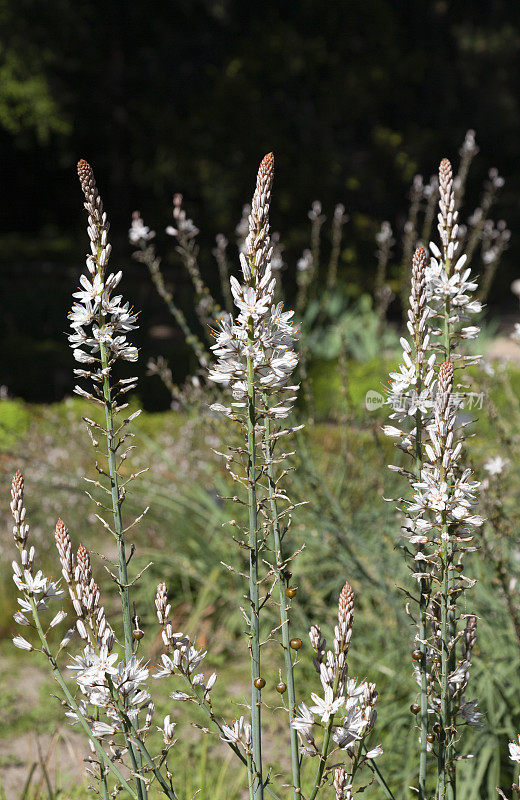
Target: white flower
{"x":167,"y":730}
{"x":32,"y":584}
{"x":167,"y":669}
{"x":100,"y":729}
{"x":181,"y":696}
{"x":22,"y":643}
{"x":261,"y":334}
{"x":304,"y":263}
{"x":375,"y":752}
{"x":100,"y":665}
{"x":91,"y":291}
{"x":239,"y":732}
{"x":496,"y":465}
{"x":139,"y":231}
{"x":60,"y":616}
{"x":391,"y":430}
{"x":131,"y":675}
{"x":211,"y":681}
{"x":327,"y":707}
{"x":351,"y":727}
{"x":514,"y":750}
{"x":304,"y":721}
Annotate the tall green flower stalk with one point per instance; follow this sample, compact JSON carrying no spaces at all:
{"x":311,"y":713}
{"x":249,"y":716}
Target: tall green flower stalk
{"x":110,"y":698}
{"x":109,"y":324}
{"x":256,"y":359}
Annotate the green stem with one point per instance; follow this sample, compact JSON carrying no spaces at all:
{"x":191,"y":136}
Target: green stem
{"x":323,"y":760}
{"x":356,"y":761}
{"x":116,"y":509}
{"x":445,"y":701}
{"x":250,"y":776}
{"x":284,"y":607}
{"x":424,"y":693}
{"x":198,"y":693}
{"x":104,"y":784}
{"x":149,"y":760}
{"x":256,"y":731}
{"x":380,"y":779}
{"x":74,"y":706}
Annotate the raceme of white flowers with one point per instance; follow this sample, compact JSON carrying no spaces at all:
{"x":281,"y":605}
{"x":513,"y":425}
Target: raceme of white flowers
{"x":347,"y":708}
{"x":37,"y":591}
{"x":104,"y":680}
{"x":261,"y":334}
{"x":99,"y":319}
{"x":448,"y":280}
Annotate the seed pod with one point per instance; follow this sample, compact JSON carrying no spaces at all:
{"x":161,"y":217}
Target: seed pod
{"x":414,"y":708}
{"x":290,"y":591}
{"x":138,"y":634}
{"x":430,"y":737}
{"x":259,"y":683}
{"x":296,"y":644}
{"x":281,"y":687}
{"x":416,"y":655}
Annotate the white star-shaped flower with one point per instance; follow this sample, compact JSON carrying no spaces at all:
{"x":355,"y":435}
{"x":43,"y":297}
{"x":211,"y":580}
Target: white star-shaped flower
{"x":327,"y":707}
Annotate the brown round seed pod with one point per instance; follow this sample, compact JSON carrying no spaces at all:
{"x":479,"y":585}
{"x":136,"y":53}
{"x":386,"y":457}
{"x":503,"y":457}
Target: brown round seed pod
{"x":296,"y":644}
{"x":259,"y":683}
{"x":416,"y":655}
{"x":430,"y":737}
{"x":138,"y":634}
{"x":415,"y":708}
{"x":290,"y":591}
{"x":281,"y":687}
{"x":459,"y":567}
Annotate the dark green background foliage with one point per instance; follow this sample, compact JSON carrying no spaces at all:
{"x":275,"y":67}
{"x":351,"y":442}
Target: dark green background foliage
{"x":353,"y":97}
